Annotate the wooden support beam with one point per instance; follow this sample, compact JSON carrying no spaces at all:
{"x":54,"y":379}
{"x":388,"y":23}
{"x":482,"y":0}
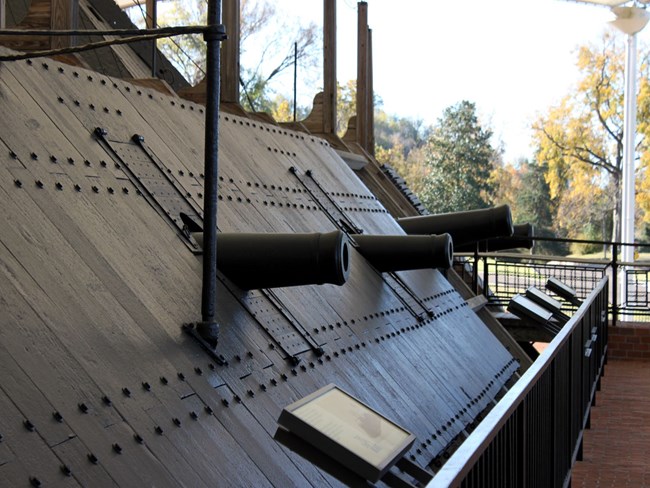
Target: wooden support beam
{"x":64,"y":14}
{"x":362,"y":75}
{"x":371,"y":100}
{"x":3,"y":21}
{"x":230,"y":52}
{"x":329,"y":66}
{"x":149,"y":17}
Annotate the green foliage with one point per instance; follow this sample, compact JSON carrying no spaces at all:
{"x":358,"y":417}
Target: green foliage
{"x":459,"y":158}
{"x":580,"y":142}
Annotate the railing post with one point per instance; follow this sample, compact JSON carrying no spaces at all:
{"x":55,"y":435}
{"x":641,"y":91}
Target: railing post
{"x":614,"y":283}
{"x":485,"y":276}
{"x":475,"y":271}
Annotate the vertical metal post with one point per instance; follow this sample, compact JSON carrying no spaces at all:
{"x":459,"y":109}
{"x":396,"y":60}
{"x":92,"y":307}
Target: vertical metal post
{"x":614,"y":283}
{"x":209,"y":329}
{"x":475,"y":271}
{"x":629,"y":146}
{"x":485,"y":276}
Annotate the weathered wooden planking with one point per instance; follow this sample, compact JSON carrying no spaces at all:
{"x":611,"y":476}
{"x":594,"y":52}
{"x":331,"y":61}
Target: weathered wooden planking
{"x":116,"y":259}
{"x":33,"y":458}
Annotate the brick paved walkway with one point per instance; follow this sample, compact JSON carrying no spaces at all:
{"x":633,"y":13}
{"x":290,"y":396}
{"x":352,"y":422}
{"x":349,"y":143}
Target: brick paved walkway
{"x":616,"y":449}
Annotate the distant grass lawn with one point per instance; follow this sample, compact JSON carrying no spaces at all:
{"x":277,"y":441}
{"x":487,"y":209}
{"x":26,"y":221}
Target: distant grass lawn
{"x":643,"y":257}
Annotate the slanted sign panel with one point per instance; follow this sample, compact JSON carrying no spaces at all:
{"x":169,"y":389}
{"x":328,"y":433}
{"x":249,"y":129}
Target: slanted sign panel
{"x":346,"y":429}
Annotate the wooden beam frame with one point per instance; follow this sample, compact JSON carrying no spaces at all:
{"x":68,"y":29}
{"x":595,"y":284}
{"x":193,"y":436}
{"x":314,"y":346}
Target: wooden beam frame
{"x":64,"y":14}
{"x":230,"y":52}
{"x":329,"y":67}
{"x":362,"y":75}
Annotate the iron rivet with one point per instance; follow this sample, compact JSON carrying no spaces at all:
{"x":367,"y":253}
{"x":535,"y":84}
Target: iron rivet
{"x":61,"y":70}
{"x":176,"y":421}
{"x":225,"y":402}
{"x":83,"y":407}
{"x":103,"y":82}
{"x":34,"y":481}
{"x":95,"y":189}
{"x":194,"y":416}
{"x":77,"y":187}
{"x":86,"y":162}
{"x":237,"y":398}
{"x":18,"y":183}
{"x":110,"y":190}
{"x":102,"y":163}
{"x":181,"y":376}
{"x":208,"y":410}
{"x":77,"y":103}
{"x":198,"y":371}
{"x":146,"y":386}
{"x":60,"y":99}
{"x":158,"y":430}
{"x":46,"y":66}
{"x":251,"y":393}
{"x":107,"y":401}
{"x":34,"y":156}
{"x":91,"y":106}
{"x":119,"y":112}
{"x":164,"y":380}
{"x":117,"y":448}
{"x":59,"y":186}
{"x":65,"y":470}
{"x":90,"y":78}
{"x":125,"y":190}
{"x":71,"y":160}
{"x":57,"y":416}
{"x":28,"y":425}
{"x":126,"y":392}
{"x":138,"y":438}
{"x":92,"y":458}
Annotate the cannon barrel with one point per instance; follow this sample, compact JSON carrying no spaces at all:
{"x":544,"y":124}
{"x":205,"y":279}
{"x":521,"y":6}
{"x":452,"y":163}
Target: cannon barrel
{"x":464,"y":227}
{"x":522,"y":238}
{"x":270,"y":260}
{"x":401,"y":253}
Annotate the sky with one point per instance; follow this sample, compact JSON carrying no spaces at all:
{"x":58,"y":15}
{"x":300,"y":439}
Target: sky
{"x":512,"y":58}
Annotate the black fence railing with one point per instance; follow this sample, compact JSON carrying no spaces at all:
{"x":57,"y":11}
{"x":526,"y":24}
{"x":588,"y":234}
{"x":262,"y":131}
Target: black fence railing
{"x":533,"y":435}
{"x":507,"y":274}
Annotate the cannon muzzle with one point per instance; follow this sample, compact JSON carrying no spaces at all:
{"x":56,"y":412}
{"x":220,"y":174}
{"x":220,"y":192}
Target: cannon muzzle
{"x":253,"y":260}
{"x":464,"y":227}
{"x":401,"y":253}
{"x":522,"y":238}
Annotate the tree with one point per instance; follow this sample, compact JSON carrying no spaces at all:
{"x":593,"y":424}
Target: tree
{"x":267,"y":51}
{"x":459,"y":158}
{"x":580,"y":140}
{"x":266,"y":47}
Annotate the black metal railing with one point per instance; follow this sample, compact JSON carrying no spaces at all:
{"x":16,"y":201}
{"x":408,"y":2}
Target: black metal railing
{"x":508,"y":274}
{"x":533,"y":435}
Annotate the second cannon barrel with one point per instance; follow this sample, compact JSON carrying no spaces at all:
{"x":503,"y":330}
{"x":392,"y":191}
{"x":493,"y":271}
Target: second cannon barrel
{"x":464,"y":227}
{"x":402,"y":253}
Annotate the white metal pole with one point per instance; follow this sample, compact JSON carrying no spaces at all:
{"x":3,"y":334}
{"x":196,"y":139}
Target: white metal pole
{"x":629,"y":143}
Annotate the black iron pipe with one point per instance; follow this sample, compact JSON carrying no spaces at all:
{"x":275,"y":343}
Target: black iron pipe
{"x":464,"y":227}
{"x":272,"y":260}
{"x":402,"y":253}
{"x":209,"y":329}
